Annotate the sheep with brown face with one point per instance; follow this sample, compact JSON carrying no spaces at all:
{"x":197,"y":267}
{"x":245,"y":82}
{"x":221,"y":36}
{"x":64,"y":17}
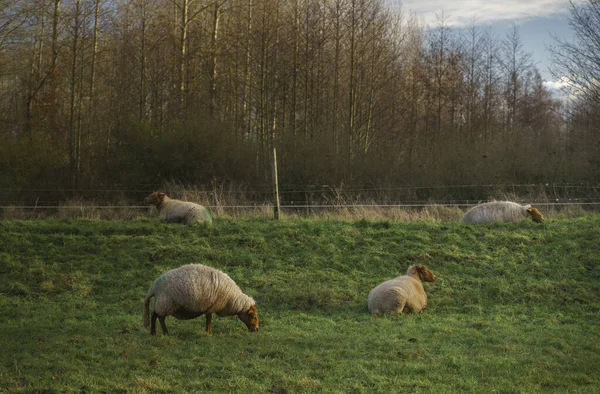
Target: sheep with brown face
{"x":176,"y":211}
{"x":501,"y":211}
{"x":402,"y":294}
{"x":194,"y":290}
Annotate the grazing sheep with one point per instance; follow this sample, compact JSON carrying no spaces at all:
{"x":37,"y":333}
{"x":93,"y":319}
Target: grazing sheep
{"x":501,"y":211}
{"x":177,"y":211}
{"x":192,"y":290}
{"x":402,"y":294}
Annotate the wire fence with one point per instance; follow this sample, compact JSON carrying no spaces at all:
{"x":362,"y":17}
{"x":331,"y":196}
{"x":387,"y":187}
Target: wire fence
{"x":328,"y":206}
{"x":300,"y":188}
{"x":296,"y":197}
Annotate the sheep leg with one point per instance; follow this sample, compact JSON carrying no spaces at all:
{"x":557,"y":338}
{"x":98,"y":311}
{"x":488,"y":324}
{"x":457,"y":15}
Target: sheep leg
{"x":401,"y":305}
{"x":161,"y":319}
{"x":208,"y":326}
{"x":153,"y":324}
{"x":415,"y":306}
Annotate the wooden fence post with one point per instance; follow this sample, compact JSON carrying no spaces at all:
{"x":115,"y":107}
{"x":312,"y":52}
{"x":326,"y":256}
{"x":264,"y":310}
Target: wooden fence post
{"x":277,"y":206}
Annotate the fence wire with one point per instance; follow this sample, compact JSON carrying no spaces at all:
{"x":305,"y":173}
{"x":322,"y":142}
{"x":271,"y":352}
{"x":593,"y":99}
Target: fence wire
{"x":329,"y":206}
{"x":299,"y":196}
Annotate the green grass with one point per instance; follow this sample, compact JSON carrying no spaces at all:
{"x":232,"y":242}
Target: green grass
{"x":516,"y":308}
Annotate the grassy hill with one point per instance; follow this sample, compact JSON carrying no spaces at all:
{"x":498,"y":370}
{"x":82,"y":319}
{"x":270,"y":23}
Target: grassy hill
{"x":516,"y":307}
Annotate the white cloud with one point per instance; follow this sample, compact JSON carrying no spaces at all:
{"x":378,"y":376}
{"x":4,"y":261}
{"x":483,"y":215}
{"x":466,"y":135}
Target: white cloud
{"x":562,"y":88}
{"x":557,"y":85}
{"x":463,"y":12}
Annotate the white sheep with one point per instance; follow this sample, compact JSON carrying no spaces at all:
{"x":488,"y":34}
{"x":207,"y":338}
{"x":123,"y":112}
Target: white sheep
{"x":402,"y":294}
{"x":501,"y":211}
{"x":171,"y":210}
{"x":192,"y":290}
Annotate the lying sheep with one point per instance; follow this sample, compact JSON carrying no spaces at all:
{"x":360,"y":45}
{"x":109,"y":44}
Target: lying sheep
{"x":501,"y":211}
{"x":192,"y":290}
{"x":176,"y":211}
{"x":402,"y":294}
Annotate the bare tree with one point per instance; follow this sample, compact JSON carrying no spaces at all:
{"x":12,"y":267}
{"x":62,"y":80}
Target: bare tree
{"x":472,"y":46}
{"x":515,"y":62}
{"x":491,"y":85}
{"x":578,"y":62}
{"x":74,"y":134}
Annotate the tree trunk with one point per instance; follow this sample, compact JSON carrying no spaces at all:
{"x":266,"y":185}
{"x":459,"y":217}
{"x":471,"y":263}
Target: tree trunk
{"x":73,"y":154}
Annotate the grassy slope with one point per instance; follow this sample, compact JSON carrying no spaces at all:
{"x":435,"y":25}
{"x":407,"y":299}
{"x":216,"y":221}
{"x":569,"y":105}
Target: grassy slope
{"x":515,"y":309}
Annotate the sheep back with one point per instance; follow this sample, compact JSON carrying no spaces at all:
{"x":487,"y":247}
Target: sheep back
{"x":401,"y":294}
{"x":175,"y":211}
{"x":496,"y":211}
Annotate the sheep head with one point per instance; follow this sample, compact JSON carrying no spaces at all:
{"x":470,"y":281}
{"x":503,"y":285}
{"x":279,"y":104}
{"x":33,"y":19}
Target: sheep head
{"x":250,"y":318}
{"x":156,"y":198}
{"x":536,"y":215}
{"x":425,"y":273}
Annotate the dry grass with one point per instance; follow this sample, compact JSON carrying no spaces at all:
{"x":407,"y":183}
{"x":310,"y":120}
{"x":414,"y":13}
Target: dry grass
{"x":90,"y":209}
{"x":372,"y":212}
{"x":78,"y":208}
{"x":18,"y":213}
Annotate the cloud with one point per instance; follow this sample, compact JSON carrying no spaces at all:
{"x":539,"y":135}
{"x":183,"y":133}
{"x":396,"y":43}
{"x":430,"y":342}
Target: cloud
{"x":563,"y":89}
{"x":461,"y":13}
{"x":557,"y":85}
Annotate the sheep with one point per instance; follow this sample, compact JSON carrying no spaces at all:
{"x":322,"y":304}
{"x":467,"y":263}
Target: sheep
{"x":176,"y":211}
{"x":192,"y":290}
{"x":501,"y":211}
{"x":402,"y":294}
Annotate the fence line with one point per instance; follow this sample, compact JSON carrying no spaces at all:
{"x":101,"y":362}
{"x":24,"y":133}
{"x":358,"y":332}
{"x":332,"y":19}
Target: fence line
{"x":291,"y":203}
{"x":337,"y":206}
{"x":321,"y":188}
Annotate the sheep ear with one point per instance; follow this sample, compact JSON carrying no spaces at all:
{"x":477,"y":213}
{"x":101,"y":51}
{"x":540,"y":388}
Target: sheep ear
{"x":161,"y":195}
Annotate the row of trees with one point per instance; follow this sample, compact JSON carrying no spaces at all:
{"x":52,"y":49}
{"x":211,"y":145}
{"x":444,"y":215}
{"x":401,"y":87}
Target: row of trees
{"x":113,"y":92}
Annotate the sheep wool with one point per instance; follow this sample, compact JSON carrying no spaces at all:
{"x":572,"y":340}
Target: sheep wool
{"x":501,"y":211}
{"x":402,"y":294}
{"x":193,"y":290}
{"x":176,"y":211}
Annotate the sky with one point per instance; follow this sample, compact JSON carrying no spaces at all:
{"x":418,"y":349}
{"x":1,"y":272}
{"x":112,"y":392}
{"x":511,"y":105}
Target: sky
{"x":537,"y":20}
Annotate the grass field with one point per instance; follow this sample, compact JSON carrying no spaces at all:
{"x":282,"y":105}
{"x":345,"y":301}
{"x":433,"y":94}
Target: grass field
{"x":515,"y":309}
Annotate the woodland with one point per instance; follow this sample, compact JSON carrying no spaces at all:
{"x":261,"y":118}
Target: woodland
{"x":130,"y":94}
